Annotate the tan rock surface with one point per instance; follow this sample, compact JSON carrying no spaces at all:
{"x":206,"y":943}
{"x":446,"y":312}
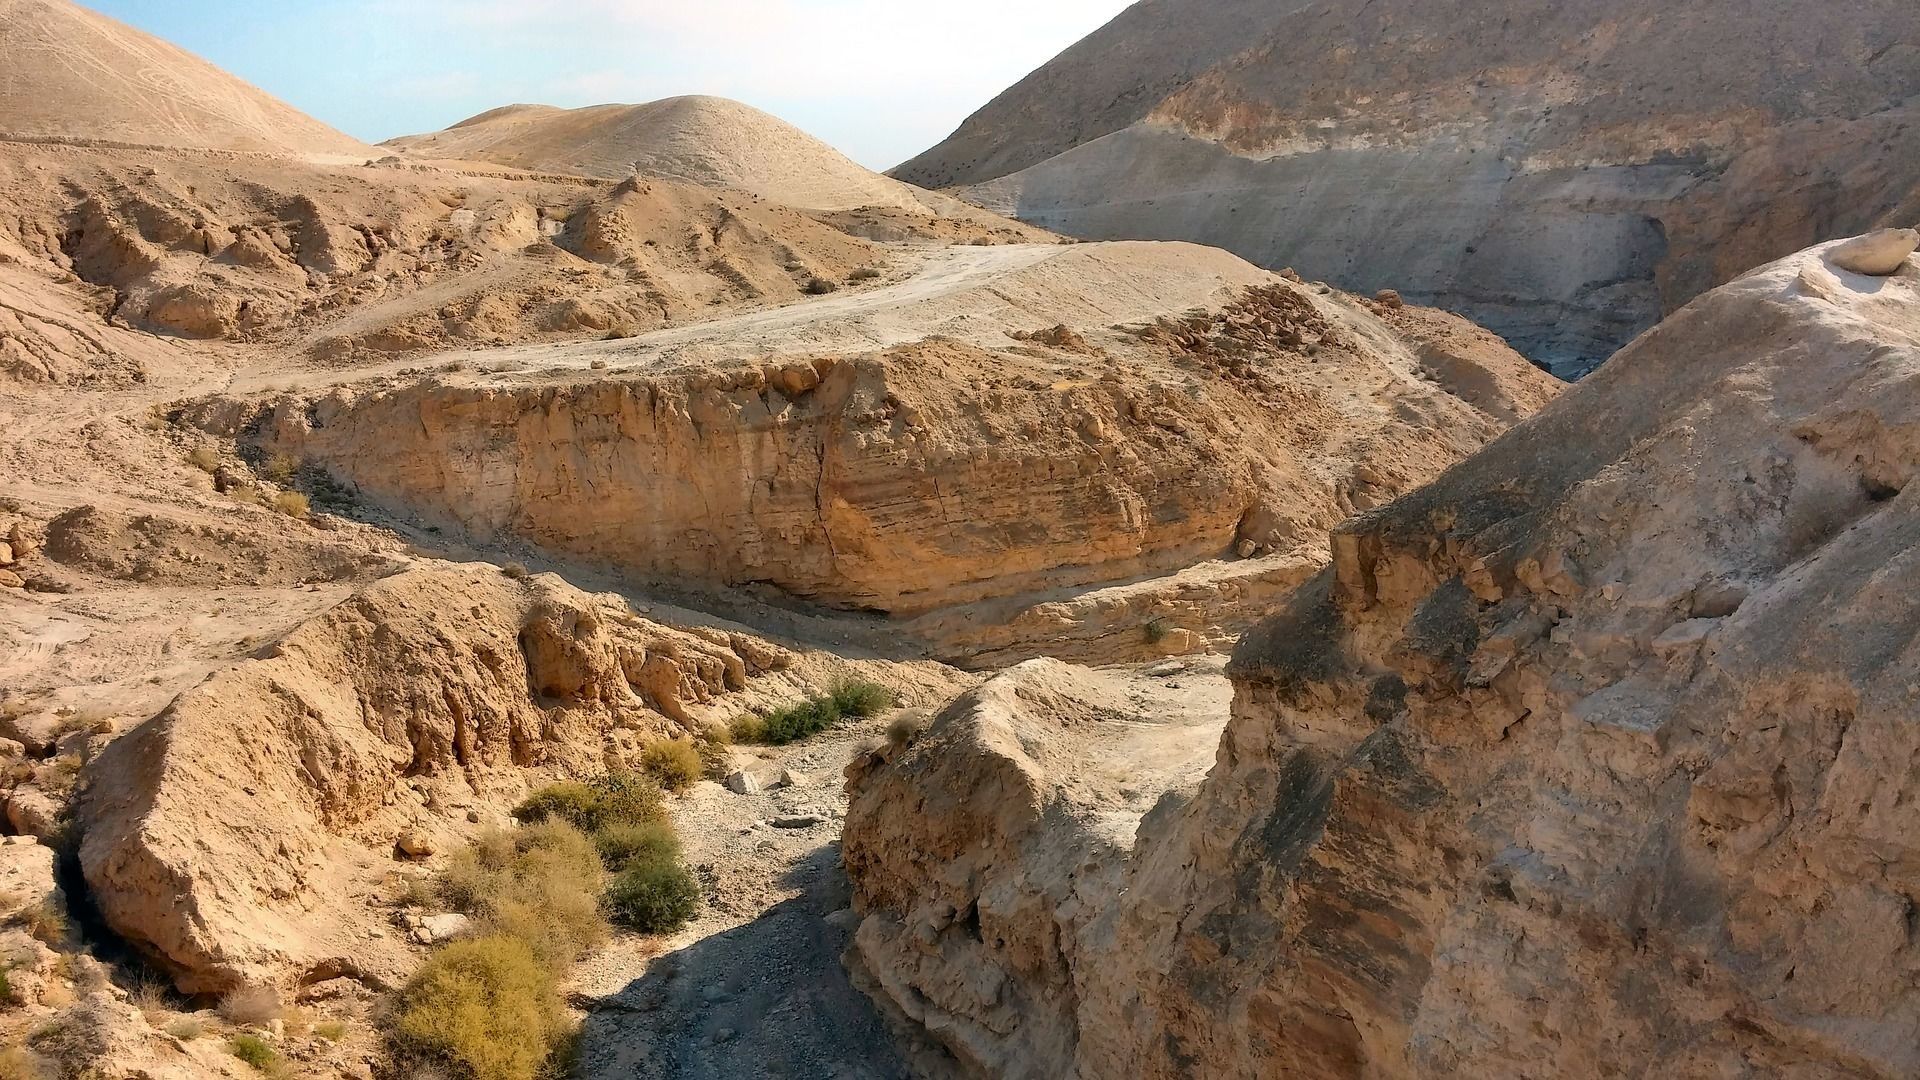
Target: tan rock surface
{"x":1589,"y":756}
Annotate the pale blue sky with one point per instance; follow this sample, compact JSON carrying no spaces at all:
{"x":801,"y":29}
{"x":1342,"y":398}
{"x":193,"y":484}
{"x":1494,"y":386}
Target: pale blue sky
{"x":880,"y":79}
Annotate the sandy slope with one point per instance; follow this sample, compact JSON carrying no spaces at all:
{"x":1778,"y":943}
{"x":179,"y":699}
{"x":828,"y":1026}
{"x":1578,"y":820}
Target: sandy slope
{"x":67,"y":73}
{"x":704,"y":140}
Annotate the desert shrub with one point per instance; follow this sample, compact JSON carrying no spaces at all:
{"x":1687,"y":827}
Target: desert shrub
{"x":674,"y":763}
{"x":906,"y":728}
{"x":293,"y":504}
{"x":487,"y":1007}
{"x":48,"y":923}
{"x":187,"y":1029}
{"x":252,"y":1006}
{"x":716,"y":758}
{"x":1157,"y":630}
{"x":856,"y":698}
{"x":332,"y":1030}
{"x":253,"y":1050}
{"x":865,"y":273}
{"x":204,"y":458}
{"x":19,"y":1063}
{"x":7,"y":997}
{"x":654,"y":896}
{"x":861,"y":698}
{"x":280,"y":468}
{"x":538,"y":884}
{"x":516,"y":571}
{"x":621,"y":846}
{"x":819,"y":286}
{"x":612,"y":799}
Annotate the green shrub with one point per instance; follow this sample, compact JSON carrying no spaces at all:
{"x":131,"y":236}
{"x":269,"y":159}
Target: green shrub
{"x":539,"y":884}
{"x":613,"y":799}
{"x":655,"y":896}
{"x":674,"y":763}
{"x":253,"y":1050}
{"x":622,"y":846}
{"x":861,"y":698}
{"x":487,"y":1007}
{"x":855,"y":698}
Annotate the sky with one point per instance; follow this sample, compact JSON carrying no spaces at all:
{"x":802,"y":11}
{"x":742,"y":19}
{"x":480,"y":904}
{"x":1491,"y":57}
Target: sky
{"x":880,"y":79}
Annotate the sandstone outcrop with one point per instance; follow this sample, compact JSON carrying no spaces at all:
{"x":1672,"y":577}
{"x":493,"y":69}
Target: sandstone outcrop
{"x":1537,"y":167}
{"x":949,"y":471}
{"x":1591,"y":757}
{"x":235,"y":837}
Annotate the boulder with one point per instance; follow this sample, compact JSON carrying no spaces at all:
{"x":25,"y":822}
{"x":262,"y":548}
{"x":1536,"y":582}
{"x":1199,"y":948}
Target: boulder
{"x":1878,"y":254}
{"x":32,"y":812}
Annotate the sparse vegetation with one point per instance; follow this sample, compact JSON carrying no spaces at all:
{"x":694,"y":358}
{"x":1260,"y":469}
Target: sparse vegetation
{"x":488,"y":1007}
{"x":654,"y":895}
{"x":255,"y":1051}
{"x":7,"y":997}
{"x":848,"y":699}
{"x":621,"y":846}
{"x":252,"y":1006}
{"x":48,"y":923}
{"x":538,"y":884}
{"x":907,"y":728}
{"x":331,"y":1030}
{"x":617,"y":798}
{"x":280,"y":468}
{"x":865,"y":273}
{"x":204,"y":458}
{"x":19,"y":1063}
{"x":674,"y":763}
{"x":187,"y":1028}
{"x":515,"y":570}
{"x":819,"y":286}
{"x":1156,"y":631}
{"x":293,"y":504}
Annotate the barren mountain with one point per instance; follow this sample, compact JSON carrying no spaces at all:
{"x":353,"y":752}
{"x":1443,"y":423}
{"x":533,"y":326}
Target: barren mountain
{"x":71,"y":75}
{"x":1544,"y":168}
{"x":1590,"y":758}
{"x":701,"y":140}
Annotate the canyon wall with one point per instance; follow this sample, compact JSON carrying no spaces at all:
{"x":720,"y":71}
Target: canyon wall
{"x":1545,"y":169}
{"x":1591,"y":757}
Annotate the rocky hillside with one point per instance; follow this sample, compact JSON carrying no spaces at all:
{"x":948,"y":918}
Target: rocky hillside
{"x":1590,"y":758}
{"x":68,"y":74}
{"x":1541,"y":167}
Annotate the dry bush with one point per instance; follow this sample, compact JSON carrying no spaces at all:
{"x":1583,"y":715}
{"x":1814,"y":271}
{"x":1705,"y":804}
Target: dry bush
{"x":252,"y":1006}
{"x":204,"y":458}
{"x":674,"y":763}
{"x":48,"y":923}
{"x":293,"y":504}
{"x":516,"y":571}
{"x":907,"y":728}
{"x":539,"y":884}
{"x":820,"y":286}
{"x":865,"y":273}
{"x":19,"y":1063}
{"x":487,"y":1007}
{"x":187,"y":1028}
{"x":280,"y":468}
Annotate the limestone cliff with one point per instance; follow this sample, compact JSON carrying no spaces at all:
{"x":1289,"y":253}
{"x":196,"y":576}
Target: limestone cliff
{"x":1564,"y":174}
{"x":1590,"y":758}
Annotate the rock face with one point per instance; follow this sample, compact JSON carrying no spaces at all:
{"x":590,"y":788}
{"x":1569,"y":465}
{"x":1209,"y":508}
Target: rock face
{"x":235,"y":837}
{"x":67,"y":73}
{"x":947,"y":472}
{"x":1590,"y":758}
{"x":1539,"y":167}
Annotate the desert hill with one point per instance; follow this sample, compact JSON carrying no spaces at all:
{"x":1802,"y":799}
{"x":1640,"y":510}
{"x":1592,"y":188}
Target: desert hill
{"x":1537,"y":166}
{"x":703,"y":140}
{"x":70,"y":74}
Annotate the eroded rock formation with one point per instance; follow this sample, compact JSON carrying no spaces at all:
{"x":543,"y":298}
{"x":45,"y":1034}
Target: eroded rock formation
{"x":235,"y":837}
{"x":1592,"y":757}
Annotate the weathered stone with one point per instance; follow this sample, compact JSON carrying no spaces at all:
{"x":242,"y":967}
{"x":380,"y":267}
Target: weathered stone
{"x":1877,"y":254}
